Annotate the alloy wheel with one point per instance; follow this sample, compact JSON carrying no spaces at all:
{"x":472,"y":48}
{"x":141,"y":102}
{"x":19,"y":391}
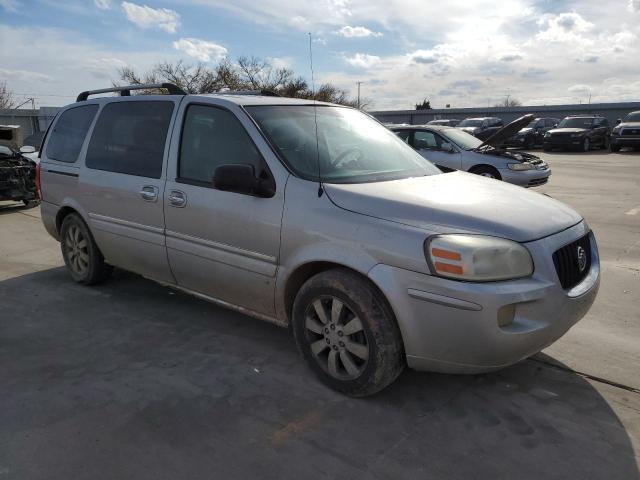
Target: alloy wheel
{"x":77,"y":250}
{"x":337,"y":338}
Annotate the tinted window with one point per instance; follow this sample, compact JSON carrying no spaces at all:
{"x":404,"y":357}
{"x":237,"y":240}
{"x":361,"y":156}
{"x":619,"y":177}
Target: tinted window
{"x":67,"y":136}
{"x":212,"y":137}
{"x":425,"y":141}
{"x":129,"y":137}
{"x":404,"y":135}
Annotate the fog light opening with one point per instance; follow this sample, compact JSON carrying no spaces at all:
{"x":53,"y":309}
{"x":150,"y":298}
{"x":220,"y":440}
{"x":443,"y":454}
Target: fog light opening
{"x":506,"y":315}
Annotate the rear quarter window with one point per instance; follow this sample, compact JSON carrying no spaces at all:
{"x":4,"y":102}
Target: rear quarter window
{"x":69,"y":132}
{"x":129,"y":137}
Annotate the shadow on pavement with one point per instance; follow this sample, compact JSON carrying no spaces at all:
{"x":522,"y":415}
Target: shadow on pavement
{"x":132,"y":380}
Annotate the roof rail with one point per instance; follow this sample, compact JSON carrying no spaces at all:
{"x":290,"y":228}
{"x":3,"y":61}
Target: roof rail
{"x":264,"y":93}
{"x":126,"y":90}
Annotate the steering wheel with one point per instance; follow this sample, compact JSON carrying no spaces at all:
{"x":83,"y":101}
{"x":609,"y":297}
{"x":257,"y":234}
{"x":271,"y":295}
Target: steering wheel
{"x":340,"y":159}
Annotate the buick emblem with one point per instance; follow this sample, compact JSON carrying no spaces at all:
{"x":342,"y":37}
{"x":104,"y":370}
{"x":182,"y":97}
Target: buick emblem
{"x":582,"y":258}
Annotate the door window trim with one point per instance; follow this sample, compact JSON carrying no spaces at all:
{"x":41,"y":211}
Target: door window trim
{"x":202,"y":183}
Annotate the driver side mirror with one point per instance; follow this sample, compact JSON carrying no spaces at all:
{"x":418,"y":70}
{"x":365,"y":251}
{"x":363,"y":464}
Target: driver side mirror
{"x":618,"y":121}
{"x":241,"y":178}
{"x":27,"y":149}
{"x":447,"y":147}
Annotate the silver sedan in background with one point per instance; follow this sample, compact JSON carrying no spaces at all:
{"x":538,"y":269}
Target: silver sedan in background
{"x":453,"y":149}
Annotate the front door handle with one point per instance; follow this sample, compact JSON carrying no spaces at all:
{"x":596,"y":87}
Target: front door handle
{"x":149,"y":193}
{"x":177,"y":198}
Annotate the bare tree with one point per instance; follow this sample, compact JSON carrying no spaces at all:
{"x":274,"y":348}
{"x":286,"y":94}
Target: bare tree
{"x":6,"y":97}
{"x":248,"y":73}
{"x":509,"y":102}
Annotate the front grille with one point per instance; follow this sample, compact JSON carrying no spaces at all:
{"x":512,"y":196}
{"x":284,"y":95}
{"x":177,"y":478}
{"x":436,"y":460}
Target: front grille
{"x":631,"y":131}
{"x":567,"y":261}
{"x":538,"y":181}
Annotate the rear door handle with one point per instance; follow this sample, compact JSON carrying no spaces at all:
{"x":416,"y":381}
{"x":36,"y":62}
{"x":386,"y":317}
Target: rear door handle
{"x":177,"y":198}
{"x":149,"y":193}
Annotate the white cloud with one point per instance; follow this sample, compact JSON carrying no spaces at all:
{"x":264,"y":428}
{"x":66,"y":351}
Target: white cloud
{"x":280,"y":62}
{"x":24,"y":75}
{"x":355,"y":32}
{"x":9,"y":5}
{"x":147,"y":17}
{"x":634,"y":5}
{"x":579,"y":88}
{"x":103,"y":4}
{"x":564,"y":27}
{"x":362,"y":60}
{"x":201,"y":49}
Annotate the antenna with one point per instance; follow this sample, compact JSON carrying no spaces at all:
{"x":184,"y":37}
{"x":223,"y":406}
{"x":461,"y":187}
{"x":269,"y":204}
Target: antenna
{"x":315,"y":116}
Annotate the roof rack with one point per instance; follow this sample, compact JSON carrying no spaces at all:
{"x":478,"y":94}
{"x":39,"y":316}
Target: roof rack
{"x":126,"y":90}
{"x":264,"y":93}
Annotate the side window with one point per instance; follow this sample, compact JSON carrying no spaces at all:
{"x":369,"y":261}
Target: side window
{"x":425,"y":141}
{"x":130,"y":137}
{"x":212,"y":137}
{"x":404,"y":135}
{"x":604,"y":122}
{"x":485,"y":123}
{"x":67,"y":137}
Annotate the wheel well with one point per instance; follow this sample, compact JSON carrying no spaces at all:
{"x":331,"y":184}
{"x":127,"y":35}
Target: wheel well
{"x":483,"y":166}
{"x":308,"y":270}
{"x":62,"y":214}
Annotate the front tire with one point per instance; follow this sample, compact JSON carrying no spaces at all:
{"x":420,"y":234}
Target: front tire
{"x":486,"y":171}
{"x":347,"y":333}
{"x":81,"y":255}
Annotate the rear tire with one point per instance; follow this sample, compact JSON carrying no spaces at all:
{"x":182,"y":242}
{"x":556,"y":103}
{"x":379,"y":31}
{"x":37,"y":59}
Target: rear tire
{"x":347,"y":333}
{"x":80,"y":252}
{"x":486,"y":171}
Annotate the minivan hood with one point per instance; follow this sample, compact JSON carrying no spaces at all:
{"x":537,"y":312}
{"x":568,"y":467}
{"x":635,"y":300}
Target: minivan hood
{"x":459,"y":201}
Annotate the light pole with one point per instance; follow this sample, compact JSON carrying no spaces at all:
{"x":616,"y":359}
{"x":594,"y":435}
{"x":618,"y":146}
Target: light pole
{"x":359,"y":83}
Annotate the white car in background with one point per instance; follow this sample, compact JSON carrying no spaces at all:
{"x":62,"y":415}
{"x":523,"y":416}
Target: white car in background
{"x":453,"y":149}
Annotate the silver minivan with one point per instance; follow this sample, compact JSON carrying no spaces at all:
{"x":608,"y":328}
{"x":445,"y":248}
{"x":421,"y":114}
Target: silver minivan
{"x":316,"y":217}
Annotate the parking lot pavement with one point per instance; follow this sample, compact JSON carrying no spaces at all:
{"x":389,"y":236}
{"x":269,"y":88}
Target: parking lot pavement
{"x":133,"y":380}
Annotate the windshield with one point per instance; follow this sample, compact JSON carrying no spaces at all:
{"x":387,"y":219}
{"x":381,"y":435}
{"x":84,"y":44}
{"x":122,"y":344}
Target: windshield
{"x":350,"y":146}
{"x":632,"y":117}
{"x":576,"y":122}
{"x":464,"y":140}
{"x":470,"y":122}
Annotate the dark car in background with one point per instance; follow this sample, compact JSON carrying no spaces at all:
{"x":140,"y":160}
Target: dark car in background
{"x":445,"y":122}
{"x":532,"y":135}
{"x":481,"y":127}
{"x":17,"y":176}
{"x":626,"y":133}
{"x":578,"y":133}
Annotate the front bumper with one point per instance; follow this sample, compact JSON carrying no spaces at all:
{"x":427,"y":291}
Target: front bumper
{"x":563,"y":141}
{"x":452,"y":327}
{"x":624,"y":141}
{"x":525,"y":178}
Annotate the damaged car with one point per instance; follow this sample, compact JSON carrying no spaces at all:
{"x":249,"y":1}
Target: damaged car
{"x":453,"y":149}
{"x":18,"y":176}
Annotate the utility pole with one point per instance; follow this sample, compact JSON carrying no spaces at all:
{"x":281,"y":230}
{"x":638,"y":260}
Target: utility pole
{"x":359,"y":83}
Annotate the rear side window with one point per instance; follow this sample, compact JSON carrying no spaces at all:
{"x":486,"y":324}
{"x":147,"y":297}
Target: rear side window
{"x":67,"y":137}
{"x":130,"y":137}
{"x":212,"y":137}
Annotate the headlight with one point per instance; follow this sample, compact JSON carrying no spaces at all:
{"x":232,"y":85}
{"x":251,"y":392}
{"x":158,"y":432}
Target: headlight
{"x":577,"y":135}
{"x":547,"y":135}
{"x":519,"y":167}
{"x":477,"y":258}
{"x":616,"y":130}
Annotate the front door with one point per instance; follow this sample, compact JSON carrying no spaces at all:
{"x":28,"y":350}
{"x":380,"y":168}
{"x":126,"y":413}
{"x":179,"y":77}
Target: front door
{"x":222,"y":244}
{"x":429,"y":145}
{"x":122,"y":183}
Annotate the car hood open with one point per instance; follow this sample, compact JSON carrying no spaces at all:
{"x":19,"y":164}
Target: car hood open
{"x":459,"y":201}
{"x":509,"y":130}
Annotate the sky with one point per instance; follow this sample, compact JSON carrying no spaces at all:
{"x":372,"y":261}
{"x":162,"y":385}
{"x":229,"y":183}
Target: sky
{"x":459,"y":52}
